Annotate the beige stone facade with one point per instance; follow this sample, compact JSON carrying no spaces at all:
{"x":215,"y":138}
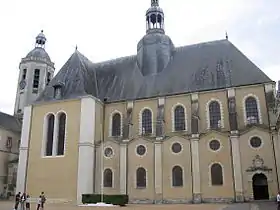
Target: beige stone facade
{"x":242,"y":155}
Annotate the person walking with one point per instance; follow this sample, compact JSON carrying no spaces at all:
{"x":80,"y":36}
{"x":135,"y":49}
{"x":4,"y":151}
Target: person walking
{"x":17,"y":200}
{"x":27,"y":202}
{"x":22,"y":201}
{"x":39,"y":202}
{"x":43,"y":200}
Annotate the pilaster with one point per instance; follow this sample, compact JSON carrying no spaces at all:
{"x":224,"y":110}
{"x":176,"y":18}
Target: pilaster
{"x":195,"y":168}
{"x":123,"y":167}
{"x":23,"y":150}
{"x":236,"y":165}
{"x":275,"y":140}
{"x":158,"y":171}
{"x":86,"y":148}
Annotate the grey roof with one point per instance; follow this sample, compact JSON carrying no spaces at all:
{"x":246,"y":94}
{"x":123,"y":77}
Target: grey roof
{"x":38,"y":52}
{"x":9,"y":122}
{"x":198,"y":67}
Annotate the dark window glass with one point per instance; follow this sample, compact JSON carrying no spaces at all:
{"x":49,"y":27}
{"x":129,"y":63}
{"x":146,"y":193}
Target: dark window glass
{"x":252,"y":110}
{"x":61,"y":134}
{"x":177,"y":176}
{"x":147,"y":122}
{"x":216,"y":174}
{"x":176,"y":147}
{"x":179,"y":118}
{"x":116,"y":125}
{"x":36,"y":78}
{"x":141,"y":150}
{"x":108,"y":178}
{"x":50,"y":130}
{"x":24,"y":74}
{"x":141,"y":177}
{"x":255,"y":142}
{"x":214,"y":115}
{"x":214,"y":145}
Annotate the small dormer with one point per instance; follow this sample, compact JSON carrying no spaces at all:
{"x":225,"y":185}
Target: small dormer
{"x":58,"y":90}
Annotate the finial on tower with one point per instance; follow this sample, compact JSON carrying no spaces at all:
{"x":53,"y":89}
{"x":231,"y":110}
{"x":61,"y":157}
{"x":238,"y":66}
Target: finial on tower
{"x":76,"y":48}
{"x":226,"y":35}
{"x":154,"y":3}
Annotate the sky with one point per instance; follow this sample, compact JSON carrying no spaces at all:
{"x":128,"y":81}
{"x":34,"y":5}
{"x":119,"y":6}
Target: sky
{"x":107,"y":29}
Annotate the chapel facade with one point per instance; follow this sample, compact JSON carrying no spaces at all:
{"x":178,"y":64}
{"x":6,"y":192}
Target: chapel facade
{"x":167,"y":125}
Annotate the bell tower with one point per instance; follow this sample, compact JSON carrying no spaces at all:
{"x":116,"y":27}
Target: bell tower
{"x":35,"y":72}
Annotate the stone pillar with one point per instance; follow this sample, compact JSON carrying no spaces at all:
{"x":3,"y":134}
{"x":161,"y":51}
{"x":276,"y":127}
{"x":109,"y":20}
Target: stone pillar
{"x":275,"y":140}
{"x":123,"y":167}
{"x":236,"y":165}
{"x":158,"y":172}
{"x":195,"y":168}
{"x":86,"y":148}
{"x":23,"y":150}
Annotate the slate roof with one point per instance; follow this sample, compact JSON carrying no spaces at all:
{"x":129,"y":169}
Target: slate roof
{"x":9,"y":122}
{"x":204,"y":66}
{"x":39,"y":52}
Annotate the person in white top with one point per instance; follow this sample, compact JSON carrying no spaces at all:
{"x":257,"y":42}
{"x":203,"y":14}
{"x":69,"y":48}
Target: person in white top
{"x":39,"y":203}
{"x":278,"y":200}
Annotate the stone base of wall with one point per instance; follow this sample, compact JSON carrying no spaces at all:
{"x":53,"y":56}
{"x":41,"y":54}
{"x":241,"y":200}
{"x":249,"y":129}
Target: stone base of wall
{"x":52,"y":200}
{"x":197,"y":198}
{"x":218,"y":200}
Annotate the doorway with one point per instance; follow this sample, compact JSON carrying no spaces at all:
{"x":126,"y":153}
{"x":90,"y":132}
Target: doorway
{"x":260,"y":187}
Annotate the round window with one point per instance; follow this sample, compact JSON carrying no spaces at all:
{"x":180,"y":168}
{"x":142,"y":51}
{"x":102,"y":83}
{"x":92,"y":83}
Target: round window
{"x":108,"y":152}
{"x":255,"y":142}
{"x":214,"y":145}
{"x":141,"y":150}
{"x":176,"y":147}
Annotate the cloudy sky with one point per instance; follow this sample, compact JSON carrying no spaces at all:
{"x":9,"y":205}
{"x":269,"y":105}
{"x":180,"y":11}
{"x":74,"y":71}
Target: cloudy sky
{"x":106,"y":29}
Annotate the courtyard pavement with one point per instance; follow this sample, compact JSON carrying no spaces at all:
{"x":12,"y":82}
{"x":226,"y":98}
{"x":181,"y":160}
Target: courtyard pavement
{"x":244,"y":206}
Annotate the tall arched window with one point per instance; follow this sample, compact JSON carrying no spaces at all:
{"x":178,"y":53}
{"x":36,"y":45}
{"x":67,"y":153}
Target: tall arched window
{"x":61,"y":133}
{"x":108,"y":178}
{"x":216,"y":174}
{"x":50,"y":130}
{"x":179,"y":118}
{"x":141,"y":177}
{"x":252,"y":114}
{"x":147,"y":122}
{"x":116,"y":124}
{"x":215,"y":115}
{"x":177,"y":176}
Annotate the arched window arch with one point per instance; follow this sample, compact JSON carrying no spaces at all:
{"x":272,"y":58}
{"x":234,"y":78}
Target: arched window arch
{"x":217,"y":174}
{"x":116,"y":124}
{"x":179,"y":118}
{"x":146,"y":122}
{"x":215,"y":115}
{"x":141,"y":177}
{"x":251,"y":108}
{"x":107,"y":178}
{"x":177,"y":176}
{"x":49,"y":137}
{"x":61,"y":133}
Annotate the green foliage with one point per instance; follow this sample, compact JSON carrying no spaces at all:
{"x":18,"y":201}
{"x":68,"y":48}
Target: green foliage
{"x":120,"y":200}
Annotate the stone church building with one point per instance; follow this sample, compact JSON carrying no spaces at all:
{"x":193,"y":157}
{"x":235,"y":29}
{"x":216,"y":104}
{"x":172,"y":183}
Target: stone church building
{"x":168,"y":125}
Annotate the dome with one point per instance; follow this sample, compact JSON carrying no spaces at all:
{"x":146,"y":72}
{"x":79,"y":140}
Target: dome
{"x":154,"y":52}
{"x":39,"y":52}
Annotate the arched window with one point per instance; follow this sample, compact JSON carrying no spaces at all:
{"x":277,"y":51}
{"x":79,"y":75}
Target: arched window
{"x":179,"y":118}
{"x":61,"y":133}
{"x":216,"y":174}
{"x":50,"y":130}
{"x":141,"y":177}
{"x":116,"y":124}
{"x":177,"y":176}
{"x":215,"y":115}
{"x":108,"y":178}
{"x":252,"y":114}
{"x":147,"y":122}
